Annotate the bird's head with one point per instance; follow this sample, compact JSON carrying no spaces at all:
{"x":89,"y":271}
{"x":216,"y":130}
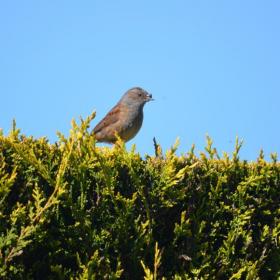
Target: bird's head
{"x":136,"y":96}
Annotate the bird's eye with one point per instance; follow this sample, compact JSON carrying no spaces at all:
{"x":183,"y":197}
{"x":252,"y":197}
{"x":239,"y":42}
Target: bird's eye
{"x":139,"y":94}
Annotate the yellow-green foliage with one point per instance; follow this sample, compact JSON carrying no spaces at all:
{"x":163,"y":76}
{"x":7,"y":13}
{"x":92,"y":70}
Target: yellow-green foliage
{"x":72,"y":210}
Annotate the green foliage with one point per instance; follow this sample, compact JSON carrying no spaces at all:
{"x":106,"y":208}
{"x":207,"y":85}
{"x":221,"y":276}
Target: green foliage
{"x":72,"y":210}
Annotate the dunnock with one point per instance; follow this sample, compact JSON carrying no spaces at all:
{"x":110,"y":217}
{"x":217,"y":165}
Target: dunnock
{"x":125,"y":119}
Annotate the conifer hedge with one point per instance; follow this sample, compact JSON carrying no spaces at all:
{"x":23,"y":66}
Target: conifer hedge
{"x":72,"y":210}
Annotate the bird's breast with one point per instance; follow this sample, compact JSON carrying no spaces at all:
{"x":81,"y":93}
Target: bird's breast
{"x":132,"y":122}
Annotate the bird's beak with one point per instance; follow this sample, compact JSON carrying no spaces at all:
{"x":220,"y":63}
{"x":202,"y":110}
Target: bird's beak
{"x":149,"y":97}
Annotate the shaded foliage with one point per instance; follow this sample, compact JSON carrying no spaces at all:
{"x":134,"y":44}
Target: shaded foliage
{"x":72,"y":210}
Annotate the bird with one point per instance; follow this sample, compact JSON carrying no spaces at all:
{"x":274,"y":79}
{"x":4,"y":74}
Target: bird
{"x":125,"y":119}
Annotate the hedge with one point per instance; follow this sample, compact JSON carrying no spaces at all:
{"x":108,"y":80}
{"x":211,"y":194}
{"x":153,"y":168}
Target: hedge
{"x":73,"y":210}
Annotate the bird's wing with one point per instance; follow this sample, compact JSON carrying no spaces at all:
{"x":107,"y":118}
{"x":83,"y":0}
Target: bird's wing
{"x":111,"y":118}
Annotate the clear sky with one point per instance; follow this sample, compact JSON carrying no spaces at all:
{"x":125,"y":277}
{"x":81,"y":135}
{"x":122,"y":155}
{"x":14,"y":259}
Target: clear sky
{"x":212,"y":66}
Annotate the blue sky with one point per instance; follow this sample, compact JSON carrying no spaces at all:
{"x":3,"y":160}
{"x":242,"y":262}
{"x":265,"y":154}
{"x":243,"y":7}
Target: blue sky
{"x":212,"y":66}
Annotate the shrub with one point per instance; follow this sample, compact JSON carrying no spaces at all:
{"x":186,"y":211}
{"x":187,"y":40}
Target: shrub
{"x":72,"y":210}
